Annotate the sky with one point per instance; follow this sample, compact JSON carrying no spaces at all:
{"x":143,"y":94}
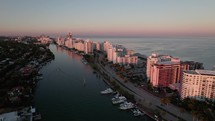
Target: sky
{"x":108,"y":17}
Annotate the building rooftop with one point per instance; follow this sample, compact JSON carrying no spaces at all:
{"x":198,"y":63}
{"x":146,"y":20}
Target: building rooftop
{"x":166,"y":63}
{"x":206,"y":72}
{"x":201,"y":72}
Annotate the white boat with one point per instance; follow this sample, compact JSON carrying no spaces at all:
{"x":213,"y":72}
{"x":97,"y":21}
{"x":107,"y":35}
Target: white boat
{"x":126,"y":105}
{"x":116,"y":94}
{"x":107,"y":91}
{"x":119,"y":99}
{"x":137,"y":112}
{"x":84,"y":61}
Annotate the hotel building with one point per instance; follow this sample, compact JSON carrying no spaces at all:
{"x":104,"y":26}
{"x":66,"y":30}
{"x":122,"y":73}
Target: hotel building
{"x":79,"y":45}
{"x":106,"y":46}
{"x":154,"y":58}
{"x":88,"y":47}
{"x":119,"y":54}
{"x":97,"y":46}
{"x":69,"y":43}
{"x":60,"y":41}
{"x":44,"y":39}
{"x":198,"y":84}
{"x":166,"y":71}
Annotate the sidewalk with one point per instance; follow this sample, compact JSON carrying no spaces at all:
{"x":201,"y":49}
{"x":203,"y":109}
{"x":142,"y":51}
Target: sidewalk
{"x":148,"y":100}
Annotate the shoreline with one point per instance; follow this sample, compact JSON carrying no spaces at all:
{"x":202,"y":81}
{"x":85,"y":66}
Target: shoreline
{"x":105,"y":78}
{"x":137,"y":104}
{"x":29,"y":73}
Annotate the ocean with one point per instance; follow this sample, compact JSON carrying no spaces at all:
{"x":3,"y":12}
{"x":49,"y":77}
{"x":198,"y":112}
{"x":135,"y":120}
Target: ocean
{"x":200,"y":49}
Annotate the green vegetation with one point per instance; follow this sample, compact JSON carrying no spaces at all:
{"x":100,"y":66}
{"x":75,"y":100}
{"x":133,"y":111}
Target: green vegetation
{"x":201,"y":110}
{"x":19,"y":65}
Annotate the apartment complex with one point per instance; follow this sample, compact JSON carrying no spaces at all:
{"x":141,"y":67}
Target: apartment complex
{"x":119,"y":54}
{"x":165,"y":70}
{"x":115,"y":53}
{"x":198,"y":84}
{"x":78,"y":44}
{"x":44,"y":39}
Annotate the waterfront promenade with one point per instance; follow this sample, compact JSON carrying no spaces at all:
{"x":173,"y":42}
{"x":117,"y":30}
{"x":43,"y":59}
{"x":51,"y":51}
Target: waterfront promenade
{"x":147,"y":99}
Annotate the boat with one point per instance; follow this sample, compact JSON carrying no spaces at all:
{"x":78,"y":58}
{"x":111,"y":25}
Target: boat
{"x":84,"y":61}
{"x":107,"y":91}
{"x":37,"y":117}
{"x":137,"y":112}
{"x":126,"y":106}
{"x":119,"y":99}
{"x":116,"y":94}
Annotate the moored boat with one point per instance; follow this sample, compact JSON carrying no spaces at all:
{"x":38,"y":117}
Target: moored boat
{"x":126,"y":105}
{"x":107,"y":91}
{"x":137,"y":112}
{"x":119,"y":99}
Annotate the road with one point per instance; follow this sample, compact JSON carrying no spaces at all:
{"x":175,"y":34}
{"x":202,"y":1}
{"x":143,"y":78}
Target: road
{"x":147,"y":99}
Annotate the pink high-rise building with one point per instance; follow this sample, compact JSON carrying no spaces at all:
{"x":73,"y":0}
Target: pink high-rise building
{"x":154,"y":58}
{"x":98,"y":46}
{"x":162,"y":74}
{"x":165,"y":70}
{"x":79,"y":45}
{"x":69,"y":43}
{"x":106,"y":45}
{"x":110,"y":52}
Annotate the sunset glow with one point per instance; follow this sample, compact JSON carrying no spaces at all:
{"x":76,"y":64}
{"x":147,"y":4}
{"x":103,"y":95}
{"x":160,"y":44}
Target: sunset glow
{"x":111,"y":18}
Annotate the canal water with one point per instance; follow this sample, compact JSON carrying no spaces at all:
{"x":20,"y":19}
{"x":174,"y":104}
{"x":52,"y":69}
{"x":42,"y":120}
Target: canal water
{"x":63,"y":95}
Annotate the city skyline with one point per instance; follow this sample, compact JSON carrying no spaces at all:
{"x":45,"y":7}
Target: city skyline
{"x":108,"y":18}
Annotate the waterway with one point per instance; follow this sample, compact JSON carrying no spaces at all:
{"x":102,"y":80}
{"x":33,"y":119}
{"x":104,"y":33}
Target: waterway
{"x":63,"y":95}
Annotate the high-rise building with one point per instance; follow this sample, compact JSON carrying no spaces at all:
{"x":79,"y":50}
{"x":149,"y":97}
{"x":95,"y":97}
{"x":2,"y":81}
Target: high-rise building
{"x":154,"y":58}
{"x":164,"y":73}
{"x":60,"y":41}
{"x":88,"y":47}
{"x":110,"y":52}
{"x":165,"y":70}
{"x":79,"y":45}
{"x":69,"y":42}
{"x":97,"y":46}
{"x":106,"y":46}
{"x":198,"y":84}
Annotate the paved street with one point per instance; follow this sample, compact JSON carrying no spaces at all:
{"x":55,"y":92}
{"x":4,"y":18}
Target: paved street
{"x":147,"y":99}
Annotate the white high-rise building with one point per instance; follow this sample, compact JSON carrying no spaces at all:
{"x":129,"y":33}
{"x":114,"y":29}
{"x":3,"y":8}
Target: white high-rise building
{"x":60,"y":41}
{"x":198,"y":84}
{"x":88,"y":47}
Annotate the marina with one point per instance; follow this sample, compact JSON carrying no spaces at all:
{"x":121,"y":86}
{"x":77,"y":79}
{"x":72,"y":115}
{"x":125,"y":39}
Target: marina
{"x":61,"y":94}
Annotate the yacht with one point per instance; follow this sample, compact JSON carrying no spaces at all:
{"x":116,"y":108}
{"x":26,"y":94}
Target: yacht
{"x":107,"y":91}
{"x":137,"y":112}
{"x":126,"y":105}
{"x":118,"y":99}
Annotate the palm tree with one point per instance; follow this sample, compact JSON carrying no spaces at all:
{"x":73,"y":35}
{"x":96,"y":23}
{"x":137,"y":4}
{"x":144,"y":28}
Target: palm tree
{"x":194,"y":114}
